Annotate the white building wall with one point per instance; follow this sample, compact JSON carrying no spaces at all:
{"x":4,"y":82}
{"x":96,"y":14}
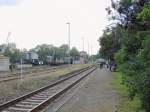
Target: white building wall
{"x":34,"y":56}
{"x":4,"y":63}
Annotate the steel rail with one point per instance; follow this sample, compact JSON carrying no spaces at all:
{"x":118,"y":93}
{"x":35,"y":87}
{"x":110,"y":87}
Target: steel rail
{"x":15,"y":77}
{"x":24,"y":97}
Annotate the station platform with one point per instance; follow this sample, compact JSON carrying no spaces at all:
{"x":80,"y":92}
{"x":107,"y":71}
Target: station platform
{"x":94,"y":94}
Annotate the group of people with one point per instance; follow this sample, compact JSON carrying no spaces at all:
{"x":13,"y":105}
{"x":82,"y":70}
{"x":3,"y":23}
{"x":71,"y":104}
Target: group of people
{"x":111,"y":65}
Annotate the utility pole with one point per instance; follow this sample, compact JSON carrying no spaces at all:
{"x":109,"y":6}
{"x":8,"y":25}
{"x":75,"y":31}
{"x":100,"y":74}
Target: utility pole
{"x":53,"y":56}
{"x":68,"y":23}
{"x":21,"y":65}
{"x":91,"y":54}
{"x":7,"y":40}
{"x":88,"y":52}
{"x":83,"y":42}
{"x":88,"y":49}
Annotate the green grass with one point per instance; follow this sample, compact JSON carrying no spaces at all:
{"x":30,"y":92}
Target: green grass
{"x":125,"y":104}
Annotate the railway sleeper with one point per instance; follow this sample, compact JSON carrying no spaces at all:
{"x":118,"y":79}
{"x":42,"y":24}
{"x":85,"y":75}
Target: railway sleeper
{"x":29,"y":106}
{"x":28,"y":103}
{"x":15,"y":109}
{"x":34,"y":101}
{"x":37,"y":98}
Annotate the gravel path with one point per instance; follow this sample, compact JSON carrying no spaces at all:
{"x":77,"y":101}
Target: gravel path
{"x":96,"y":95}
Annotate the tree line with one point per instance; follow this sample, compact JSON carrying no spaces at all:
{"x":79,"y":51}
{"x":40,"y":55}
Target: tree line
{"x":127,"y":42}
{"x":43,"y":51}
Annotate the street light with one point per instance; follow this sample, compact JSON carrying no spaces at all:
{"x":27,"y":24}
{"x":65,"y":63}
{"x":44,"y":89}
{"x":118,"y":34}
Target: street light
{"x":21,"y":61}
{"x":68,"y":23}
{"x":83,"y":42}
{"x":88,"y":49}
{"x":91,"y":54}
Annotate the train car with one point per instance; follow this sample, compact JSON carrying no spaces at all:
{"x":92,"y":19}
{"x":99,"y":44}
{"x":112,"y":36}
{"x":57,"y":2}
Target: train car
{"x":50,"y":60}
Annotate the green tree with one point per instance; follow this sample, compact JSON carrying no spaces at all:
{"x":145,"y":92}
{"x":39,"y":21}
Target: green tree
{"x":64,"y":49}
{"x":74,"y":53}
{"x":14,"y":56}
{"x":110,"y":43}
{"x":132,"y":55}
{"x":44,"y":50}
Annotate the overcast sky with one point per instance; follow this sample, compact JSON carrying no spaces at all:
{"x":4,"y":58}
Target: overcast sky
{"x":34,"y":22}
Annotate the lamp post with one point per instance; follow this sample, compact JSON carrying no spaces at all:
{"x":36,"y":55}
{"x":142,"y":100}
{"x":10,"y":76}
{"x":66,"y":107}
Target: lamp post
{"x":21,"y":65}
{"x":68,"y":23}
{"x":88,"y":48}
{"x":83,"y":42}
{"x":91,"y":54}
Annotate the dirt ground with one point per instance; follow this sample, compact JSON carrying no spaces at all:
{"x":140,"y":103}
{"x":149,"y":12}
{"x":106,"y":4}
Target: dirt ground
{"x":96,"y":95}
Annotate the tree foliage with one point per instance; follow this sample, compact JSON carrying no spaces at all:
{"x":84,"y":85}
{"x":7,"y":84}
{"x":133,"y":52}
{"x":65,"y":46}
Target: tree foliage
{"x":61,"y":52}
{"x":10,"y":50}
{"x":133,"y":51}
{"x":74,"y":53}
{"x":110,"y":42}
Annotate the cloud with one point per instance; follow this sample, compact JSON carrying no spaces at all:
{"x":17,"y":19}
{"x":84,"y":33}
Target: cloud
{"x":9,"y":2}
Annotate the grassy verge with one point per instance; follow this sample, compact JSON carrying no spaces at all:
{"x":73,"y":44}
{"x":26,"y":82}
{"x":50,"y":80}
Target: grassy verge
{"x":125,"y":105}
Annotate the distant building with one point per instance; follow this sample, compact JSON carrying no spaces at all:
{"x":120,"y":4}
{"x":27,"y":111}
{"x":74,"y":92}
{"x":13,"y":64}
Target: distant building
{"x":2,"y":49}
{"x":4,"y":63}
{"x":31,"y":56}
{"x":83,"y":57}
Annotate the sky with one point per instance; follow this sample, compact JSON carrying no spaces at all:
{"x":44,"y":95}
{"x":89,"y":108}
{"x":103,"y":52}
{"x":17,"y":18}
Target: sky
{"x":35,"y":22}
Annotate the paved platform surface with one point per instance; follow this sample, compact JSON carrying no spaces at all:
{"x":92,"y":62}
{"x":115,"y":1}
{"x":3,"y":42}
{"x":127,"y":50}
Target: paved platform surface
{"x":96,"y":95}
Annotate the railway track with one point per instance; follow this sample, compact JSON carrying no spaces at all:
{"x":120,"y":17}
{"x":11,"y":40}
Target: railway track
{"x":29,"y":70}
{"x":34,"y":71}
{"x":37,"y":100}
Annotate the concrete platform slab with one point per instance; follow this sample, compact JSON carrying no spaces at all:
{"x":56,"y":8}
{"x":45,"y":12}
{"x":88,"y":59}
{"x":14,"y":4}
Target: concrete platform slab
{"x":95,"y":95}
